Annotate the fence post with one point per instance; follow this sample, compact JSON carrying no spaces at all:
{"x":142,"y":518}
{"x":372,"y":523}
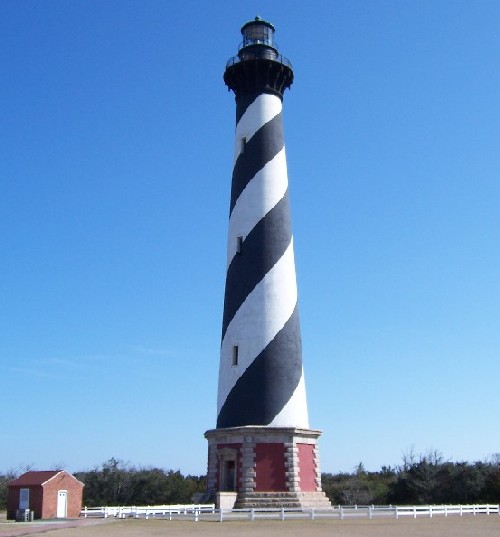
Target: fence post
{"x":252,"y":514}
{"x":282,"y":514}
{"x":221,"y":516}
{"x":196,"y":515}
{"x":461,"y":510}
{"x":341,"y":513}
{"x":414,"y":512}
{"x":397,"y":514}
{"x":430,"y":511}
{"x":370,"y":516}
{"x":312,"y":513}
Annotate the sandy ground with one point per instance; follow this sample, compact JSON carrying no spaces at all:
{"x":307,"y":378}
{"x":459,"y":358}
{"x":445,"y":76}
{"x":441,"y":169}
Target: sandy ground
{"x":467,"y":526}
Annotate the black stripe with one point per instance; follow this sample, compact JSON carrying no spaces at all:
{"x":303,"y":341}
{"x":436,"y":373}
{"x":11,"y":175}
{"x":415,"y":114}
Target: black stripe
{"x":262,"y":147}
{"x":242,"y":103}
{"x":268,"y":383}
{"x":261,"y":250}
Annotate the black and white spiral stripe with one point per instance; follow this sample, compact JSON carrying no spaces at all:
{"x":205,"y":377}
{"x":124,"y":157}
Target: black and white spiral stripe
{"x":266,"y":385}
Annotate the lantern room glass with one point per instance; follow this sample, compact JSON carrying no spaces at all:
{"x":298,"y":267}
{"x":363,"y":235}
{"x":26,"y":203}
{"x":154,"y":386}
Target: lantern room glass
{"x":258,"y":33}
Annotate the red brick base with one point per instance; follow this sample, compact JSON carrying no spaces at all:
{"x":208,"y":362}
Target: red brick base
{"x":274,"y":465}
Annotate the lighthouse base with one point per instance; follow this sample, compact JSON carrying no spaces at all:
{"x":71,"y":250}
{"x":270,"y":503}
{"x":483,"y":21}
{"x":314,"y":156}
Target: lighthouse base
{"x":266,"y":466}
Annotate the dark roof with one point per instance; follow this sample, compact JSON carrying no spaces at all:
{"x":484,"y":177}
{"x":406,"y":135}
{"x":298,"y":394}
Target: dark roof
{"x":34,"y":478}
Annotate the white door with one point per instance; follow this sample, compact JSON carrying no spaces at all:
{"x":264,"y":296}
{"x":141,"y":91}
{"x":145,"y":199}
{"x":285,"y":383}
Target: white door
{"x":62,"y":504}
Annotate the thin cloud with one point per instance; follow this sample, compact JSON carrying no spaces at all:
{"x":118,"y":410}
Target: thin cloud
{"x":152,"y":351}
{"x":32,"y":371}
{"x":64,"y":362}
{"x":86,"y":363}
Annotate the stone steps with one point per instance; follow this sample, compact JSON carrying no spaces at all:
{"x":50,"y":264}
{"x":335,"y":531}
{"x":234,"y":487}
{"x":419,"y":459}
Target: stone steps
{"x":282,"y":500}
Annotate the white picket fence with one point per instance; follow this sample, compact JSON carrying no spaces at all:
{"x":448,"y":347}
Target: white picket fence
{"x":431,"y":510}
{"x":164,"y":511}
{"x":367,"y":511}
{"x":198,"y":512}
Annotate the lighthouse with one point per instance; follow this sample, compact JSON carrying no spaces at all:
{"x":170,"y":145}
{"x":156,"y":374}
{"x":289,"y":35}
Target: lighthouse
{"x":262,"y":452}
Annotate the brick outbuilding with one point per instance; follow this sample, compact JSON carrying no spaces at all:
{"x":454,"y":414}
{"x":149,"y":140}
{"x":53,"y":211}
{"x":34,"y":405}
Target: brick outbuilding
{"x":49,"y":494}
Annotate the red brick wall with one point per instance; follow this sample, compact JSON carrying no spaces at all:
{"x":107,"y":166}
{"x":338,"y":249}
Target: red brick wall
{"x":66,"y":482}
{"x":270,"y":468}
{"x":307,"y":468}
{"x":34,"y":505}
{"x":12,"y":502}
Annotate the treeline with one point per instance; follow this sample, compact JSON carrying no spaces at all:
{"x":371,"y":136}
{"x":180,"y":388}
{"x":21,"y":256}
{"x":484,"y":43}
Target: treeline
{"x":4,"y":481}
{"x":424,"y":479}
{"x":116,"y":483}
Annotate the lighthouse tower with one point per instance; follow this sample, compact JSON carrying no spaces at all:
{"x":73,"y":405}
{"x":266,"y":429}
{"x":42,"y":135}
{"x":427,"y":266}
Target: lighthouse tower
{"x":262,"y":453}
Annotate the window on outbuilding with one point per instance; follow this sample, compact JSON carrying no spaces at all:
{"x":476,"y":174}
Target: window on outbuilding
{"x":24,"y":498}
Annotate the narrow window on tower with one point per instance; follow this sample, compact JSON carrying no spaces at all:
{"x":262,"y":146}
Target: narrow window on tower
{"x":243,"y":144}
{"x":239,"y":245}
{"x":234,"y":358}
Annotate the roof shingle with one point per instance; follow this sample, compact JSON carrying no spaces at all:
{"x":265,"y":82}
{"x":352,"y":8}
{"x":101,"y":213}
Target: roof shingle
{"x":34,"y":478}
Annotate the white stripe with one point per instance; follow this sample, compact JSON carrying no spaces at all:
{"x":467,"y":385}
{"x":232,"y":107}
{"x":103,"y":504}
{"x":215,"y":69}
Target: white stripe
{"x":260,"y":195}
{"x":294,"y":413}
{"x":262,"y":110}
{"x":263,"y":314}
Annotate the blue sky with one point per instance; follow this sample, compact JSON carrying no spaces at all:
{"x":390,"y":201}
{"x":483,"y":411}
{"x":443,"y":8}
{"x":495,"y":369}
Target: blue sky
{"x":116,"y":135}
